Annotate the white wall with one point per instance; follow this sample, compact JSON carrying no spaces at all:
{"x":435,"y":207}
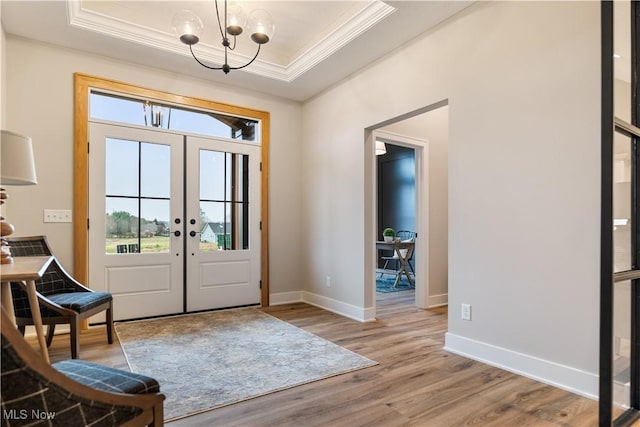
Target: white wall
{"x":433,"y":127}
{"x":523,"y":84}
{"x":39,"y":103}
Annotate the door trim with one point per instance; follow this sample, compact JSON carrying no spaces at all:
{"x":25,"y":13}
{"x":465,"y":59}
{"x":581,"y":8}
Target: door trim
{"x":83,"y":83}
{"x":421,"y":152}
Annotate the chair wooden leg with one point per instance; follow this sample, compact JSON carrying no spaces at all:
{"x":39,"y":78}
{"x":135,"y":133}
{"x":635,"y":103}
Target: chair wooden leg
{"x":50,"y":331}
{"x":110,"y":324}
{"x":158,"y":416}
{"x":75,"y":339}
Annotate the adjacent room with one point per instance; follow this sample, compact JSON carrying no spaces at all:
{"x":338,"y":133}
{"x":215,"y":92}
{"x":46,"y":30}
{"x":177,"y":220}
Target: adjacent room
{"x":320,"y":213}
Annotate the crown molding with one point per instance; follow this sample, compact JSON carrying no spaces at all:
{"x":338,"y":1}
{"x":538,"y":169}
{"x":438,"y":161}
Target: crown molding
{"x":366,"y":18}
{"x":363,"y":20}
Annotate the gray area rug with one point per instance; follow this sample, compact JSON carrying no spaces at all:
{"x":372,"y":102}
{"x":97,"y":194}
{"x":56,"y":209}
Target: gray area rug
{"x":208,"y":360}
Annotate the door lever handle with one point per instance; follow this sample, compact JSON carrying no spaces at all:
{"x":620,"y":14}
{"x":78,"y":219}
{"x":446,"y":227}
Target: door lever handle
{"x":177,"y":233}
{"x":193,"y":233}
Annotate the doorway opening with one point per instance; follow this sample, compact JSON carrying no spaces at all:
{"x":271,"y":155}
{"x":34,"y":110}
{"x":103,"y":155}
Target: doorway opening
{"x":396,"y":213}
{"x":425,"y":133}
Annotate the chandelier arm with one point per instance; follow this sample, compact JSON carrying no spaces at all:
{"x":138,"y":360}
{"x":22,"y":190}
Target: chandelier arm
{"x":248,"y":63}
{"x":205,"y":65}
{"x":234,"y":44}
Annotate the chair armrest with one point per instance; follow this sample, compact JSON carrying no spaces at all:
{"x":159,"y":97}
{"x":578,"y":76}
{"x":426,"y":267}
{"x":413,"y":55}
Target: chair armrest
{"x":69,"y":280}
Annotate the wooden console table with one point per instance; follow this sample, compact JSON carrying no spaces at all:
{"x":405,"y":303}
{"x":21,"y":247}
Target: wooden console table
{"x":26,"y":270}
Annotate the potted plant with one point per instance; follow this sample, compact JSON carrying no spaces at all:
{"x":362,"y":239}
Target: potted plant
{"x":388,"y":234}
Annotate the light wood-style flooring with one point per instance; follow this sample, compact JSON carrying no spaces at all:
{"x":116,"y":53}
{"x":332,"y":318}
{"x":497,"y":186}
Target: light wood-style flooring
{"x":416,"y":382}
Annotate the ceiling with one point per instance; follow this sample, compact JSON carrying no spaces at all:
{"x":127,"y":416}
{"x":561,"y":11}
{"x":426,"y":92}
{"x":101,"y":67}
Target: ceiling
{"x":316,"y":43}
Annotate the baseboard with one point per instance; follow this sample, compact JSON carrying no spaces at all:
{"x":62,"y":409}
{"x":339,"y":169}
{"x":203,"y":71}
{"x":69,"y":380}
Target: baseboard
{"x":347,"y":310}
{"x":338,"y":307}
{"x":561,"y":376}
{"x":437,"y":300}
{"x":285,"y":298}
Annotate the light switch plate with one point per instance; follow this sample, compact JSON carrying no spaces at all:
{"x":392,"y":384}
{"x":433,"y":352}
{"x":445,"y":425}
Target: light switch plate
{"x":57,"y":215}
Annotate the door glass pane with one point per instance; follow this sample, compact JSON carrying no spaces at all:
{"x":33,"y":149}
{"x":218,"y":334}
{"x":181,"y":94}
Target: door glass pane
{"x":212,"y":175}
{"x":224,"y":201}
{"x":121,"y":224}
{"x":622,"y":49}
{"x":121,"y":167}
{"x":242,"y":226}
{"x":155,"y":225}
{"x":155,"y":178}
{"x":241,"y":188}
{"x":117,"y":108}
{"x":622,"y":344}
{"x":622,"y":202}
{"x":213,"y":235}
{"x":138,"y":190}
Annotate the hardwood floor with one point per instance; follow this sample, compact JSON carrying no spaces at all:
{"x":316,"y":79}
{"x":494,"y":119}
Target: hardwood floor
{"x":416,"y":382}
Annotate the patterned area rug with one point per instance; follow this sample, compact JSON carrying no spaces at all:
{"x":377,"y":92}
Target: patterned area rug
{"x":207,"y":360}
{"x":385,"y":283}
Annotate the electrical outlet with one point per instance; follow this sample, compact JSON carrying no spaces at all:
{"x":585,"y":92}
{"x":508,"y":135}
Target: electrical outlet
{"x":466,"y":311}
{"x":57,"y":215}
{"x":328,"y":282}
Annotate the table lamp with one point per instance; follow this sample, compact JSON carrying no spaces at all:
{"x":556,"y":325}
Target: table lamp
{"x":17,"y":168}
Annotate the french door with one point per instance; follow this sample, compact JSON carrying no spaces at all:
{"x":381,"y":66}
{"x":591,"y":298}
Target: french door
{"x":223,"y":229}
{"x":173,"y":221}
{"x":619,"y":399}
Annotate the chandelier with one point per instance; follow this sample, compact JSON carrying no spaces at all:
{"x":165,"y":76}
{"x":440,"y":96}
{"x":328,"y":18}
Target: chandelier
{"x":188,"y":27}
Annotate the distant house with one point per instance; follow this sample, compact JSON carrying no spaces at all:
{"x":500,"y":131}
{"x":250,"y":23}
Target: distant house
{"x":210,"y":232}
{"x":213,"y":232}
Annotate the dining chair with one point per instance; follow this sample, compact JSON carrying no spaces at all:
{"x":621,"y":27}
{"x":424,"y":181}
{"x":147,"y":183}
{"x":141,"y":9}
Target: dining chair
{"x":62,"y":299}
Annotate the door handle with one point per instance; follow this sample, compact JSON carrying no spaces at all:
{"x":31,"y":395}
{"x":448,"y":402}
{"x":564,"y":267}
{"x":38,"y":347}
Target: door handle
{"x":177,"y":233}
{"x":193,"y":233}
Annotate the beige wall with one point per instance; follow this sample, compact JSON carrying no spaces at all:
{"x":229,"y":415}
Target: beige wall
{"x":3,"y":74}
{"x":39,"y":103}
{"x":523,"y":84}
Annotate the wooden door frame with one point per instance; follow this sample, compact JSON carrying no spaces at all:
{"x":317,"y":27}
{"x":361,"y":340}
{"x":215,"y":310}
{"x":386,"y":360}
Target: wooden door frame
{"x":83,"y":84}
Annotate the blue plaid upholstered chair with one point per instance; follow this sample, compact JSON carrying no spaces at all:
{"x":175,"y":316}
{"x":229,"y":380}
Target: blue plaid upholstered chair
{"x":62,"y":299}
{"x":72,"y":392}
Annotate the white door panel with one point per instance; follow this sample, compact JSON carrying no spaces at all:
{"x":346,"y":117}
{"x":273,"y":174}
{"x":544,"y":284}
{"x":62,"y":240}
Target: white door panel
{"x":136,"y":172}
{"x":223,"y":214}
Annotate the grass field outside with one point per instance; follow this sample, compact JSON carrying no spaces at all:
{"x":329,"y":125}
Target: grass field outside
{"x":155,"y":244}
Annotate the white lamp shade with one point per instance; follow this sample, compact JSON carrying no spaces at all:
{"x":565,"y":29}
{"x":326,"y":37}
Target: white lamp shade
{"x":187,"y":26}
{"x":16,"y":155}
{"x":381,"y":148}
